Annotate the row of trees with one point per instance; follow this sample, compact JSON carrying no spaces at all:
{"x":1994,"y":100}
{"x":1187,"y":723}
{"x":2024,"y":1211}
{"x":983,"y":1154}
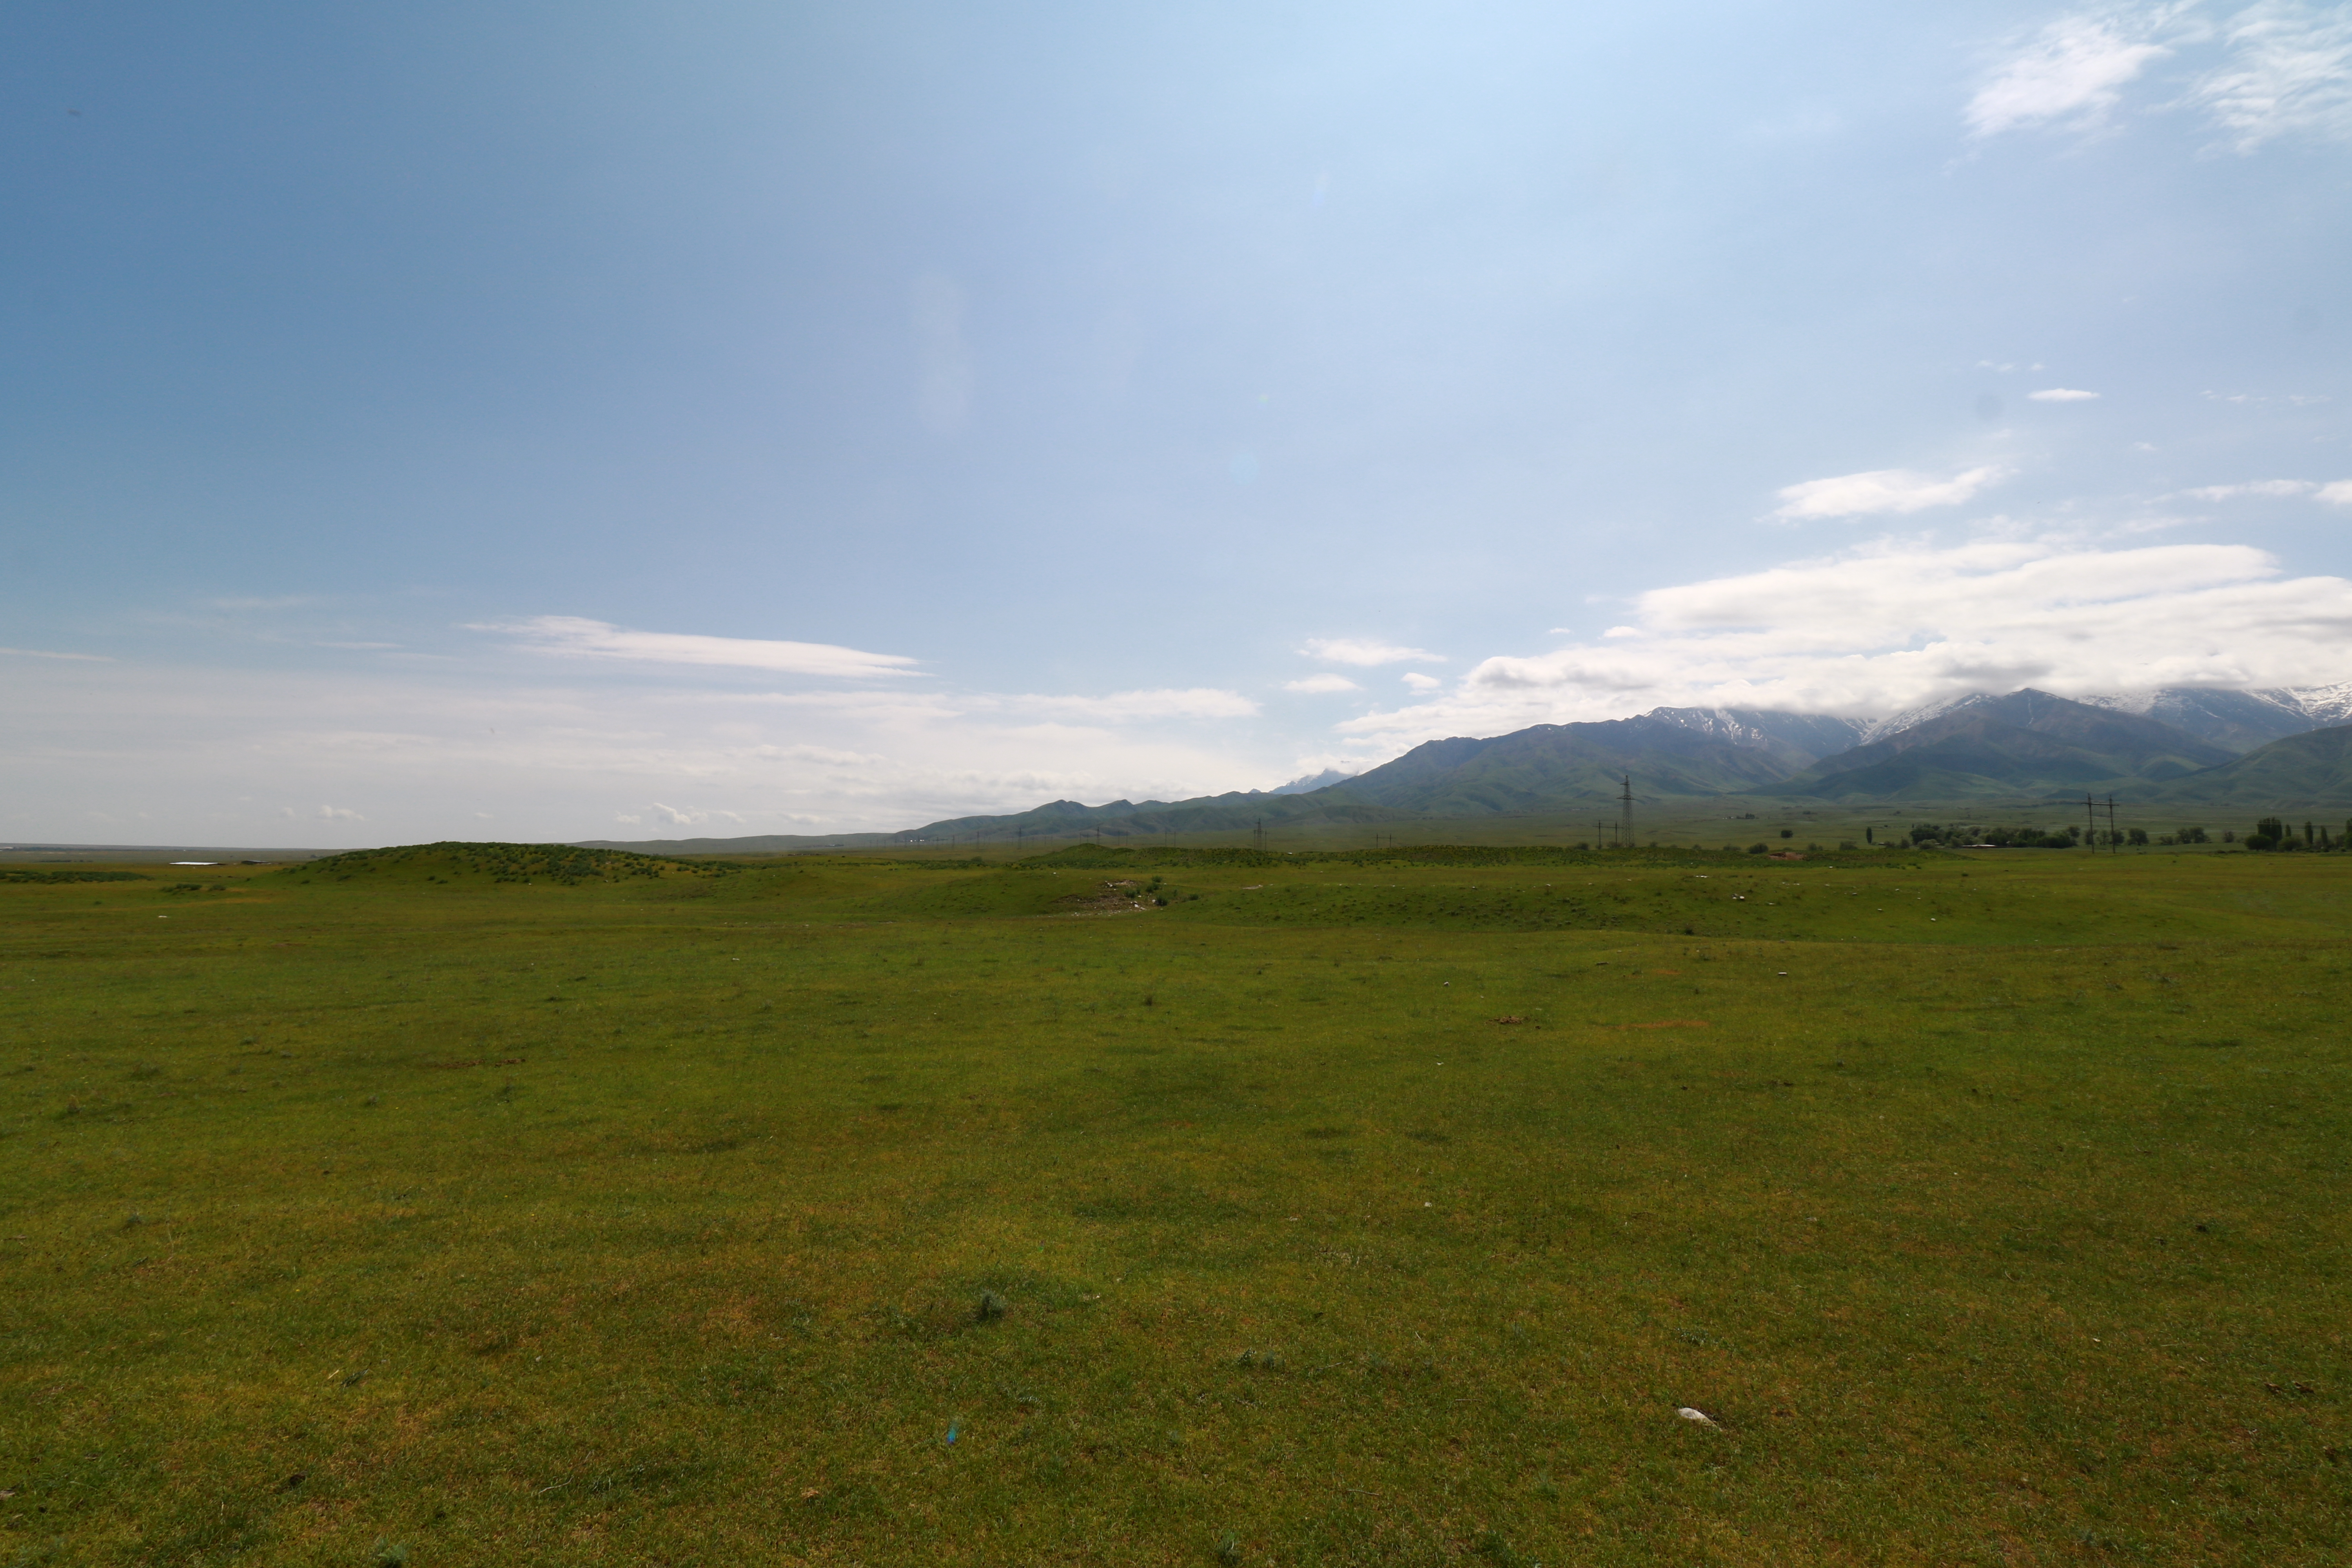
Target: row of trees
{"x":1954,"y":834}
{"x":2272,"y":833}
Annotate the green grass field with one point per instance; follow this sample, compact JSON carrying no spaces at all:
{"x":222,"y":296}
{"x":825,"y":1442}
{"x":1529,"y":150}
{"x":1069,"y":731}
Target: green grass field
{"x":473,"y":1208}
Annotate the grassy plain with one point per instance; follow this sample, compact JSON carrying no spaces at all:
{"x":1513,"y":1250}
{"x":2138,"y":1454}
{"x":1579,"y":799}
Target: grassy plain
{"x":854,"y":1211}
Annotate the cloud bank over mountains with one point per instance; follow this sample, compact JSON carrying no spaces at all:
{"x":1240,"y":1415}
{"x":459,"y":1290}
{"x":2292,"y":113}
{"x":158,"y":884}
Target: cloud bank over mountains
{"x":1899,"y":624}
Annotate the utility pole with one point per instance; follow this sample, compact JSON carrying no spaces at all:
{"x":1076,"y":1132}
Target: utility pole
{"x":2091,"y":809}
{"x":1625,"y":815}
{"x":2115,"y":839}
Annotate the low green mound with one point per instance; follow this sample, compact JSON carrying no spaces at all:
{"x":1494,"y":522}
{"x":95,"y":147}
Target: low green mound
{"x":19,"y":874}
{"x":563,"y":864}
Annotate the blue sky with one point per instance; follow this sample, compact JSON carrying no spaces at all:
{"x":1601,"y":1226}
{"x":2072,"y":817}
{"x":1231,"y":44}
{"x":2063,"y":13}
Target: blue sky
{"x":538,"y":421}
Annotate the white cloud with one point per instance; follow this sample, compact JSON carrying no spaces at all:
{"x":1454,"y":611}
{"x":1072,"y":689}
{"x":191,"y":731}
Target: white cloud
{"x":1421,"y":682}
{"x":42,"y":653}
{"x":1314,"y":684}
{"x":2338,"y":491}
{"x":1894,"y":625}
{"x":674,"y":817}
{"x":1192,"y":702}
{"x":2254,"y":488}
{"x":1882,"y":491}
{"x":183,"y":747}
{"x":2063,"y":394}
{"x":824,"y":756}
{"x":337,"y":814}
{"x":575,"y":636}
{"x":1365,"y":652}
{"x":2290,"y":74}
{"x":2275,"y":68}
{"x":2072,"y":71}
{"x":2263,"y":400}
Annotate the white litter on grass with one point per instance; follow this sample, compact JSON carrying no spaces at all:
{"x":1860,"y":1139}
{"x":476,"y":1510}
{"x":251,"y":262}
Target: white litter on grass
{"x":1701,"y":1417}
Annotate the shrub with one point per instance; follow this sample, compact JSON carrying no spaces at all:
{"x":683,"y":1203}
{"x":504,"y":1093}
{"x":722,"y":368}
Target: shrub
{"x":1756,"y":848}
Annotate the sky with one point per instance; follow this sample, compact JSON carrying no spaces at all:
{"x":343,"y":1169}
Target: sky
{"x":542,"y":421}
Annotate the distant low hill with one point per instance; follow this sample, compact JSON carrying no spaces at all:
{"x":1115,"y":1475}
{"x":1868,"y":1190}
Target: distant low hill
{"x":1312,"y":782}
{"x":2027,"y":744}
{"x":2307,"y":771}
{"x":1548,"y":767}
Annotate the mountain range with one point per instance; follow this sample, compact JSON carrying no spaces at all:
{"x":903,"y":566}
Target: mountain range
{"x":2278,"y":748}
